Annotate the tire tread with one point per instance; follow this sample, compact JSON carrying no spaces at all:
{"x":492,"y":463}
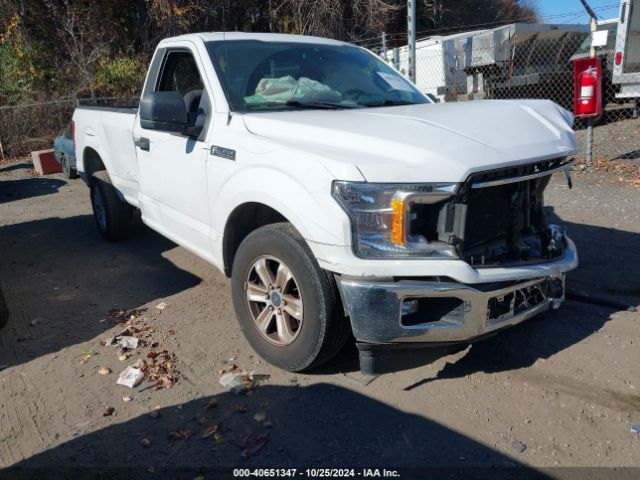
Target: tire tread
{"x":118,"y":211}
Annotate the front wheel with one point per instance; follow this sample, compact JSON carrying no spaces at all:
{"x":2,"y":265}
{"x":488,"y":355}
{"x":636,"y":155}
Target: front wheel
{"x":288,"y":307}
{"x":111,"y":213}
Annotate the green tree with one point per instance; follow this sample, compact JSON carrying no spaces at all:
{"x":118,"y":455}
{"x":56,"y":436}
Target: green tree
{"x":120,"y":76}
{"x":17,"y":71}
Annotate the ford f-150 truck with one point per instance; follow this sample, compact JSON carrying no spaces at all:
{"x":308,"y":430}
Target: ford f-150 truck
{"x":336,"y":196}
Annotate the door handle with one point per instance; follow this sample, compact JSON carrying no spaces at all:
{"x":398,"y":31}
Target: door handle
{"x":142,"y":143}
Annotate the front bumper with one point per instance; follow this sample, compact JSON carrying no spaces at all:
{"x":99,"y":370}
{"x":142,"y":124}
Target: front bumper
{"x":424,"y":311}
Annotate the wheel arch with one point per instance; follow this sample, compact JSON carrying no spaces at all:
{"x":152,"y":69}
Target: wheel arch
{"x":92,"y":162}
{"x":244,"y":219}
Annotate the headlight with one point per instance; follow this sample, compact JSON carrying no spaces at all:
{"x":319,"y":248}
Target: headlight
{"x":385,"y":218}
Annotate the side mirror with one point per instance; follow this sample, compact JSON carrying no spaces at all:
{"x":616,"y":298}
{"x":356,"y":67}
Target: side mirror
{"x":163,"y":111}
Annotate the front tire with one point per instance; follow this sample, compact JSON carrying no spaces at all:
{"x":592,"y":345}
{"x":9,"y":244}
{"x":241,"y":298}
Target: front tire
{"x":111,"y":213}
{"x":288,"y":307}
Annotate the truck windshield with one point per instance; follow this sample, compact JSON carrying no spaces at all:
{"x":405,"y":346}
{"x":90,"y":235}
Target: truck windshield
{"x":258,"y":76}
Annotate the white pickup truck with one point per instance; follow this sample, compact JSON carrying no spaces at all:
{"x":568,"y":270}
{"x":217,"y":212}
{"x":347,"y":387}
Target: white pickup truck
{"x":336,"y":196}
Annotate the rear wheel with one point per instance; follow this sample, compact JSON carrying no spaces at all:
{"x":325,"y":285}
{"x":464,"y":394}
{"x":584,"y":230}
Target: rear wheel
{"x":67,"y":169}
{"x":111,"y":213}
{"x":288,"y":307}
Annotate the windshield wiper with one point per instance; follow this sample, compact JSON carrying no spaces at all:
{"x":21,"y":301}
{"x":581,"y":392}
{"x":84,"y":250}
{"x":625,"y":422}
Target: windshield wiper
{"x":386,"y":103}
{"x":319,"y":104}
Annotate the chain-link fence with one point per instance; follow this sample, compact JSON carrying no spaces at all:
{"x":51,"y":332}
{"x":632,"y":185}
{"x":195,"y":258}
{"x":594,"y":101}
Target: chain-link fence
{"x":521,"y":60}
{"x":33,"y":126}
{"x":526,"y":60}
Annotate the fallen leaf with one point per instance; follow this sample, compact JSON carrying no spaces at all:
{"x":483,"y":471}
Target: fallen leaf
{"x":180,"y":434}
{"x":145,"y":442}
{"x":211,"y":430}
{"x":85,"y":358}
{"x":202,"y":420}
{"x":108,"y":411}
{"x":162,"y":305}
{"x":260,"y":416}
{"x":166,"y":382}
{"x":128,"y":398}
{"x":104,"y":371}
{"x":213,"y":403}
{"x":251,"y":443}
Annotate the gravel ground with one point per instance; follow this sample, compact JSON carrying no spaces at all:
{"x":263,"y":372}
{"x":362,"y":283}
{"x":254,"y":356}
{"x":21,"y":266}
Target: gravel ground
{"x":560,"y":390}
{"x":615,"y":140}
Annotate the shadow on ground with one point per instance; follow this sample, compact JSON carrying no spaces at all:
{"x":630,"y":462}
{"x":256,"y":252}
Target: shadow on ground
{"x":633,"y":155}
{"x":26,"y":165}
{"x":609,"y":262}
{"x":12,"y":190}
{"x":320,"y":425}
{"x":68,"y":277}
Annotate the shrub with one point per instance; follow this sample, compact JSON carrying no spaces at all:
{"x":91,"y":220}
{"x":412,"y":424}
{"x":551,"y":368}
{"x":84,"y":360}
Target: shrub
{"x":17,"y":71}
{"x":120,"y":76}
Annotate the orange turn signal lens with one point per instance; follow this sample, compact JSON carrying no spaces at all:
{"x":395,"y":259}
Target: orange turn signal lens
{"x":397,"y":222}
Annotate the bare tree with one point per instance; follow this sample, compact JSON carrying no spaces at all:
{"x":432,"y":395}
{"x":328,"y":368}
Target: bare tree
{"x":174,"y":17}
{"x":83,"y":37}
{"x":333,"y":18}
{"x":443,"y":14}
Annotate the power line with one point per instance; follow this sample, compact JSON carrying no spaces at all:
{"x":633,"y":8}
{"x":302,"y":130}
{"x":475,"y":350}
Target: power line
{"x":375,"y":40}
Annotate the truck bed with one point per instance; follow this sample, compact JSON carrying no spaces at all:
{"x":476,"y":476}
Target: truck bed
{"x":109,"y":131}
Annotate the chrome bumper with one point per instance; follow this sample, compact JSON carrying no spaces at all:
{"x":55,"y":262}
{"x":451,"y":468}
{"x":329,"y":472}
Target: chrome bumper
{"x":380,"y":311}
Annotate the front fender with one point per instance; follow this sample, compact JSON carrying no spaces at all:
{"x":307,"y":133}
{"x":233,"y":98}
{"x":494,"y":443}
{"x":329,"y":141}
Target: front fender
{"x":312,"y":211}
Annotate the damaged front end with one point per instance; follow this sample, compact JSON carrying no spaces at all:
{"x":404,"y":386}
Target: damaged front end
{"x":496,"y":218}
{"x":494,"y":221}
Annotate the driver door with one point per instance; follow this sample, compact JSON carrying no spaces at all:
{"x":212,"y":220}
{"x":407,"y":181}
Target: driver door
{"x":172,"y":166}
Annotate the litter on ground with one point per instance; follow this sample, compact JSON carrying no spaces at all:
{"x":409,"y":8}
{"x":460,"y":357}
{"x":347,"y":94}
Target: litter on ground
{"x":238,"y":381}
{"x":130,"y":377}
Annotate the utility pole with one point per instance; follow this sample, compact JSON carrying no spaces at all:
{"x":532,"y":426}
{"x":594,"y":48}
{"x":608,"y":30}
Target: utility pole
{"x":384,"y":46}
{"x":588,"y":150}
{"x":593,"y":22}
{"x":411,"y":35}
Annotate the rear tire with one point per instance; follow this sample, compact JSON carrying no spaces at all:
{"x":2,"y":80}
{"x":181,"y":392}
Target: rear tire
{"x":111,"y":213}
{"x":305,"y":326}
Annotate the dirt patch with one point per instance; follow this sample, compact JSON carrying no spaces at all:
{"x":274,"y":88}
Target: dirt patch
{"x":560,"y":390}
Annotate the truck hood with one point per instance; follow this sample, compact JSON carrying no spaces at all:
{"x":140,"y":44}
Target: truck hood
{"x":424,"y":143}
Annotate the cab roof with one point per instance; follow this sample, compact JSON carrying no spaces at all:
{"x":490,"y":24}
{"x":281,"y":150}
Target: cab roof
{"x":263,"y":37}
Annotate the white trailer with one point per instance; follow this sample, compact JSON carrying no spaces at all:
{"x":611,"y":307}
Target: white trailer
{"x":511,"y":61}
{"x":626,"y":69}
{"x":439,"y":72}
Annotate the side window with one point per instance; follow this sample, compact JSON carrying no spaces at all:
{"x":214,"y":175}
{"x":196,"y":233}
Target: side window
{"x":180,"y":74}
